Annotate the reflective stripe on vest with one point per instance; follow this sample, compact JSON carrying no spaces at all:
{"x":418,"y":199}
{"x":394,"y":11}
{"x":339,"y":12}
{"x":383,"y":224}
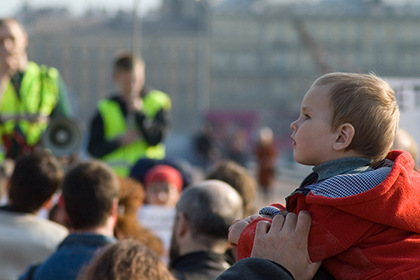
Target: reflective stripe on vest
{"x":32,"y":92}
{"x":123,"y":158}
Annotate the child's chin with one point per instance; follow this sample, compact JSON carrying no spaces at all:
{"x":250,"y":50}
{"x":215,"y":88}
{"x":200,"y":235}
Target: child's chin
{"x":303,"y":162}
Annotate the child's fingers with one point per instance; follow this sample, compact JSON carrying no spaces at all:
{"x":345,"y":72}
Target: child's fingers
{"x":235,"y":221}
{"x":251,"y":218}
{"x":235,"y":231}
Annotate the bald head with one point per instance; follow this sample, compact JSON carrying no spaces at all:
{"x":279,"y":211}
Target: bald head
{"x":210,"y":207}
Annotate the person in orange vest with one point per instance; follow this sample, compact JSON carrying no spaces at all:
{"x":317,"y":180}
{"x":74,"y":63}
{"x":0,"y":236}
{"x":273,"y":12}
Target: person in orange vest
{"x":131,"y":124}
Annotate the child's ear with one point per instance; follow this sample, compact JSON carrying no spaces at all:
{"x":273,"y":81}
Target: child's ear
{"x":345,"y":134}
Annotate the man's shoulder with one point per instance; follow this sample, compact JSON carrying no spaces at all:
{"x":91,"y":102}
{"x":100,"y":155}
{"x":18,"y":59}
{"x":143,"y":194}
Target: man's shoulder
{"x":31,"y":225}
{"x":76,"y":250}
{"x":200,"y":265}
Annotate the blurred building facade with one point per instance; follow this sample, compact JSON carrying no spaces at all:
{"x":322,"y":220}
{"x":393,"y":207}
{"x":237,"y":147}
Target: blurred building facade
{"x":239,"y":55}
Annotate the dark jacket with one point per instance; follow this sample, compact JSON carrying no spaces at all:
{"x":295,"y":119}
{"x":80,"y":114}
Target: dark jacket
{"x":256,"y":269}
{"x":199,"y":266}
{"x":72,"y":254}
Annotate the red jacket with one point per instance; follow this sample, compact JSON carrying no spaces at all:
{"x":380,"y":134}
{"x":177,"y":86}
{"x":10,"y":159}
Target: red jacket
{"x":371,"y":235}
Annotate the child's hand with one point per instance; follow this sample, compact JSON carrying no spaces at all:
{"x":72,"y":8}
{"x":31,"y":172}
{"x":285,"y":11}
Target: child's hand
{"x":237,"y":227}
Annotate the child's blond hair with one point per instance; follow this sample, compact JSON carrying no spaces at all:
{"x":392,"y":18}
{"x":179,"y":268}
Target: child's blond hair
{"x":368,"y":103}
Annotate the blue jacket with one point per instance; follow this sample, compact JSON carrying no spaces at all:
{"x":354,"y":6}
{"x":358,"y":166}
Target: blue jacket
{"x":72,"y":254}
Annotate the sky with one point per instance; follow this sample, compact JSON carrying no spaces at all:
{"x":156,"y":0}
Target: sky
{"x":9,"y":7}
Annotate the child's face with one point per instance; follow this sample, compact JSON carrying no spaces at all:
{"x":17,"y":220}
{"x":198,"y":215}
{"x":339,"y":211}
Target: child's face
{"x":163,"y":194}
{"x":126,"y":79}
{"x":312,"y":136}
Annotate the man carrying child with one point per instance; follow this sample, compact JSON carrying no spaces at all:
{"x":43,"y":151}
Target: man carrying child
{"x":363,"y":199}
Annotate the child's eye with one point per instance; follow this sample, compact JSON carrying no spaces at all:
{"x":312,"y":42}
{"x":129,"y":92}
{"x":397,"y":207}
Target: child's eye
{"x":307,"y":117}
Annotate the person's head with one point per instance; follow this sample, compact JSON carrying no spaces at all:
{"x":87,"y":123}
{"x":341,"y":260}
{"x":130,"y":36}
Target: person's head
{"x":90,"y":193}
{"x":35,"y":178}
{"x":239,"y":178}
{"x":163,"y":185}
{"x":204,"y":214}
{"x":126,"y":260}
{"x":345,"y":115}
{"x":405,"y":142}
{"x":13,"y":40}
{"x":266,"y":135}
{"x":129,"y":74}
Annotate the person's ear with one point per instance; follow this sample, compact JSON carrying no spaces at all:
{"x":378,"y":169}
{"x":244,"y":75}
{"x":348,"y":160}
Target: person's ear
{"x":115,"y":207}
{"x":182,"y":225}
{"x":345,"y":134}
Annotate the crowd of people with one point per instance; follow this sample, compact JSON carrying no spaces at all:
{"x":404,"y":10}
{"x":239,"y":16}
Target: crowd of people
{"x":132,"y":213}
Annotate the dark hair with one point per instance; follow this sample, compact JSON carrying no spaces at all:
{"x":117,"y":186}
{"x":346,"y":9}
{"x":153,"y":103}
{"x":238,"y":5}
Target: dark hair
{"x":210,"y":207}
{"x":89,"y":190}
{"x":239,"y":178}
{"x":36,"y":177}
{"x":125,"y":62}
{"x":126,"y":260}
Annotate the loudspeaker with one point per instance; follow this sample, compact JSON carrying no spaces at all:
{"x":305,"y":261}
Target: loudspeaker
{"x":63,"y":136}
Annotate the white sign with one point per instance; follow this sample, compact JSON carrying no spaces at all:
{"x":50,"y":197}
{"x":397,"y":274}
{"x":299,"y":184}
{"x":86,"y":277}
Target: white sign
{"x":159,"y":219}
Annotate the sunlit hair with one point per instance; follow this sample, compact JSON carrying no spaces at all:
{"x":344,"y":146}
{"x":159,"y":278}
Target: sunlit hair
{"x":405,"y":142}
{"x":368,"y":103}
{"x":126,"y":260}
{"x":239,"y":178}
{"x":9,"y":21}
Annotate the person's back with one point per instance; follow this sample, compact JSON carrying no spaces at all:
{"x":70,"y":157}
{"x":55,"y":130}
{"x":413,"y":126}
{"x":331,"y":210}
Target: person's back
{"x":364,"y":207}
{"x":199,"y":238}
{"x":24,"y":237}
{"x":90,"y":193}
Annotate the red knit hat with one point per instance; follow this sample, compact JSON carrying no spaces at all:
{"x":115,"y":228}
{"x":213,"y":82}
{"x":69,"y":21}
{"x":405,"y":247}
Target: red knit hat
{"x":164,"y":173}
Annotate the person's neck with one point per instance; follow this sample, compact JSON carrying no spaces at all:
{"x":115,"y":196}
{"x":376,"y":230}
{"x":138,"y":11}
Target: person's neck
{"x":107,"y":229}
{"x":23,"y":63}
{"x":10,"y":207}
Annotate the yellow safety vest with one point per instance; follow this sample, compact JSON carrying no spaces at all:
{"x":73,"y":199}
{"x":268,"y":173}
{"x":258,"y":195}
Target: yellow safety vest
{"x":123,"y":158}
{"x":38,"y":94}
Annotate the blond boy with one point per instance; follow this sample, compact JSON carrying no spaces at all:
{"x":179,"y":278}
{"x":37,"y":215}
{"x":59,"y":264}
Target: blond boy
{"x":364,"y":200}
{"x":131,"y":124}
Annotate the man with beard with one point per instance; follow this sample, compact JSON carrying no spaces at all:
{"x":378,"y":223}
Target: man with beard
{"x":204,"y":214}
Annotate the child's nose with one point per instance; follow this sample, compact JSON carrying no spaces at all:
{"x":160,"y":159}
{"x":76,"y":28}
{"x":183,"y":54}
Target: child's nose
{"x":293,"y":125}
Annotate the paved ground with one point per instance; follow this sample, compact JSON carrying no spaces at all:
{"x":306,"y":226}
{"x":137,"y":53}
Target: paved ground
{"x":286,"y":182}
{"x":281,"y":189}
